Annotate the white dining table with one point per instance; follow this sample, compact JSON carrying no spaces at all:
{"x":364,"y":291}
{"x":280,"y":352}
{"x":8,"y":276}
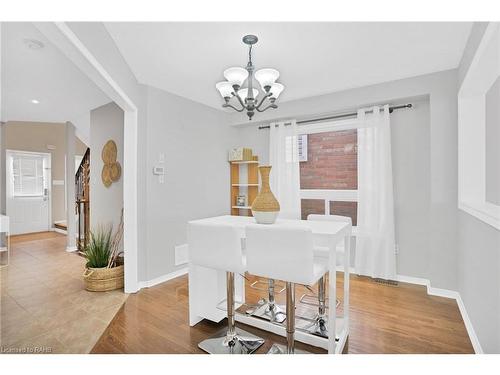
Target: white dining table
{"x":207,"y":287}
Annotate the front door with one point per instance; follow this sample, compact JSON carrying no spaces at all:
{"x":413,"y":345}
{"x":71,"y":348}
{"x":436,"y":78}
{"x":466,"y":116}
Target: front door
{"x":28,"y":191}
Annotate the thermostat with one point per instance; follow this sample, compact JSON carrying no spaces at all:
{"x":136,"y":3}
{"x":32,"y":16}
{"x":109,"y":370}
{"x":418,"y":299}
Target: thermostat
{"x":159,"y":171}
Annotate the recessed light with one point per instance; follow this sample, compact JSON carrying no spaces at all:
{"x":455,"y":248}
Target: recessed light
{"x":33,"y":44}
{"x":34,"y":101}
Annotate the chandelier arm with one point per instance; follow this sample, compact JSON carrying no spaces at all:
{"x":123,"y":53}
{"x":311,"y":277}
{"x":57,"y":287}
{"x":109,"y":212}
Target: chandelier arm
{"x":274,"y":106}
{"x":263,"y":99}
{"x":240,"y":100}
{"x":227,"y":105}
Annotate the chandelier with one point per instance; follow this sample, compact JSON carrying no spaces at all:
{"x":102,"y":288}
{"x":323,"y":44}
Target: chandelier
{"x":247,"y":97}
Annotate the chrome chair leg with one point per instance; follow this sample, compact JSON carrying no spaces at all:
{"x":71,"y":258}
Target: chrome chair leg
{"x":269,"y":310}
{"x":231,"y":340}
{"x":318,"y":325}
{"x":290,"y":326}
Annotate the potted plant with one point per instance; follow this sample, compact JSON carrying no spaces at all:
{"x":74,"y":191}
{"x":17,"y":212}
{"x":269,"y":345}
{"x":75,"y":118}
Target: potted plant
{"x":104,"y":267}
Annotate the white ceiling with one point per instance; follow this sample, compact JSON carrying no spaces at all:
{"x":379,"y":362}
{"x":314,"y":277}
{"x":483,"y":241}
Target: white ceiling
{"x":64,"y":92}
{"x":187,"y":59}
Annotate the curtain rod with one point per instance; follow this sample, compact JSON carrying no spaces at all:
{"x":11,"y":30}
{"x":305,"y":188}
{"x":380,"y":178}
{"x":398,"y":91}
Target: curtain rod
{"x":343,"y":115}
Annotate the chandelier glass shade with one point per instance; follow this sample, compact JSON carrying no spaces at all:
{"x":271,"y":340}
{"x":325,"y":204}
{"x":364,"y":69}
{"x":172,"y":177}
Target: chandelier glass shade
{"x":246,"y":97}
{"x":243,"y":93}
{"x":236,"y":76}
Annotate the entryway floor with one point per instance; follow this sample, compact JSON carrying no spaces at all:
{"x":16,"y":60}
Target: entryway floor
{"x":44,"y":306}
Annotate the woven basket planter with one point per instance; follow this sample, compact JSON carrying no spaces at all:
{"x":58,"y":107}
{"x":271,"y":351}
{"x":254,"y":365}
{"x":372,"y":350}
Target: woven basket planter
{"x":103,"y":279}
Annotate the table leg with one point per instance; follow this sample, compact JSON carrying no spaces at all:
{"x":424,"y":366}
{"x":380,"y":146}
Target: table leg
{"x":347,"y":265}
{"x":332,"y":310}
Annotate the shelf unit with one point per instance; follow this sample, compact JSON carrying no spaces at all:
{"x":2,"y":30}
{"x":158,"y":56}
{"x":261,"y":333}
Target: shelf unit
{"x":244,"y":181}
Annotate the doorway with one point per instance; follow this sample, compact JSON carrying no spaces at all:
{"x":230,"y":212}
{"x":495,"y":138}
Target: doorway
{"x":28,"y":198}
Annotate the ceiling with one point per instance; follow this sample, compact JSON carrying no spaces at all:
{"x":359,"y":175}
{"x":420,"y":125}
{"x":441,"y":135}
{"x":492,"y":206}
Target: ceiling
{"x":187,"y":59}
{"x":63,"y":91}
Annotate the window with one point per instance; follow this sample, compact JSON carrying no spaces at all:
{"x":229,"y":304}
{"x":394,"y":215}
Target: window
{"x":329,"y":173}
{"x":27,"y":172}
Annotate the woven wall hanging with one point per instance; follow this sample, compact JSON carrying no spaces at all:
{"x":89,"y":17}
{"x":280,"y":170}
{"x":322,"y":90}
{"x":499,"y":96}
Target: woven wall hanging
{"x":111,"y":170}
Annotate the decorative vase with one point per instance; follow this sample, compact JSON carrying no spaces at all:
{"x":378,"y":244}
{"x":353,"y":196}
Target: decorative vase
{"x":265,"y":207}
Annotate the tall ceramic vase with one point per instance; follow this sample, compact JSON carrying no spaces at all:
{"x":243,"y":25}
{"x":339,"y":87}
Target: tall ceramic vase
{"x":265,"y":207}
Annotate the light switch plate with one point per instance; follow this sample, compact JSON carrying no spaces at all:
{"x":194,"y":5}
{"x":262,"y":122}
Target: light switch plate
{"x":159,"y":170}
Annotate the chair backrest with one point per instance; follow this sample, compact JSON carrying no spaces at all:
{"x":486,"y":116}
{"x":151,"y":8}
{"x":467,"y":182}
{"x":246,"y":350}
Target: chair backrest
{"x":333,"y":218}
{"x":343,"y":219}
{"x":280,"y":252}
{"x":215,"y":246}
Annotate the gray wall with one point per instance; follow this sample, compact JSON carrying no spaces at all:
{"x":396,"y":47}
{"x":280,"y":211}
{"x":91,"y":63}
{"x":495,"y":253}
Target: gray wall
{"x":479,"y":278}
{"x":106,"y":203}
{"x":492,"y":139}
{"x":194,"y":139}
{"x":2,"y":132}
{"x":425,"y":165}
{"x":34,"y":137}
{"x":479,"y":249}
{"x":410,"y":142}
{"x":2,"y":169}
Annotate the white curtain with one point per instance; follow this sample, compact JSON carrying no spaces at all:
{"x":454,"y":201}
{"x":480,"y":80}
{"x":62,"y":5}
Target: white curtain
{"x":375,"y":243}
{"x":285,"y":174}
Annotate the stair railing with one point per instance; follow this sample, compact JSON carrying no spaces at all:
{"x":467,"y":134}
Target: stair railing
{"x":82,"y":201}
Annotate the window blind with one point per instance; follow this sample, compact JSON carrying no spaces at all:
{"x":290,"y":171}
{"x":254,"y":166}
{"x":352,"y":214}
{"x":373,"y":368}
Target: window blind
{"x":27,"y":171}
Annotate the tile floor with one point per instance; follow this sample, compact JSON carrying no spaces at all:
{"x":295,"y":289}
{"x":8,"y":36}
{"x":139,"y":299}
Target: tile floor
{"x":44,"y":306}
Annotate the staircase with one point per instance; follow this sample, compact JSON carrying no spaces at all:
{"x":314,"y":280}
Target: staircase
{"x":82,"y":201}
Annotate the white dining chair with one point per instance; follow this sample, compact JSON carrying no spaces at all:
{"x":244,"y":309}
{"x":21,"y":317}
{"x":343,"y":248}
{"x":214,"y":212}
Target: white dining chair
{"x":318,"y":325}
{"x":219,"y":247}
{"x":286,"y":253}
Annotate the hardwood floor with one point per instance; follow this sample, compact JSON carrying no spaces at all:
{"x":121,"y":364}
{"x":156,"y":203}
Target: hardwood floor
{"x":384,"y":319}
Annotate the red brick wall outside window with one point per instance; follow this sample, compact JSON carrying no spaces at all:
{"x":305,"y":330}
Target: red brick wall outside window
{"x":332,"y":163}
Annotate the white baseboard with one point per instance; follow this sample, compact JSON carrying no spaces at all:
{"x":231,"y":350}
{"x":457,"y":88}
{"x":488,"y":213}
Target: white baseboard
{"x":62,"y":231}
{"x":470,"y":328}
{"x":163,"y":278}
{"x":71,"y":249}
{"x":447,"y":293}
{"x":413,"y":280}
{"x":442,"y":292}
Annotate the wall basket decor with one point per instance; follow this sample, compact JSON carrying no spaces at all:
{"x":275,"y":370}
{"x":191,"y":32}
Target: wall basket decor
{"x":111,"y":170}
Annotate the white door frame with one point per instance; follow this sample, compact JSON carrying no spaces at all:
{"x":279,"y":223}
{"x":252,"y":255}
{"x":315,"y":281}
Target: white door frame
{"x":60,"y":34}
{"x":9,"y":152}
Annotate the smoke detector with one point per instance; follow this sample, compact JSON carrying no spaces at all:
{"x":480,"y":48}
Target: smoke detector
{"x":33,"y":44}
